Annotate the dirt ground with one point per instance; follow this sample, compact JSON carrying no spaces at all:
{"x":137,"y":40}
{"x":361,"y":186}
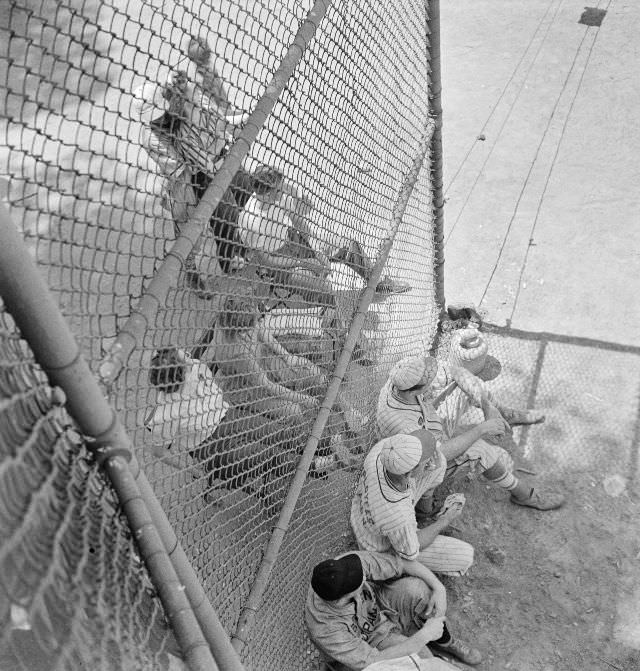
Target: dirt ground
{"x":543,"y":594}
{"x":529,"y":184}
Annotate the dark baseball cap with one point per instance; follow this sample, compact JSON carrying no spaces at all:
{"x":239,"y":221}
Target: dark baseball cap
{"x":334,"y":578}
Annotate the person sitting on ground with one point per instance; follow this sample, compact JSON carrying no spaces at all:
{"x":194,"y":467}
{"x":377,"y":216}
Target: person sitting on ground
{"x":404,"y":406}
{"x":195,"y":431}
{"x":188,"y":125}
{"x":189,"y":406}
{"x":366,"y":607}
{"x":396,"y":472}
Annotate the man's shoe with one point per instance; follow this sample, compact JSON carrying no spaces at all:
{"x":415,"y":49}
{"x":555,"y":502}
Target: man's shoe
{"x":464,"y":653}
{"x":515,"y":417}
{"x":549,"y":501}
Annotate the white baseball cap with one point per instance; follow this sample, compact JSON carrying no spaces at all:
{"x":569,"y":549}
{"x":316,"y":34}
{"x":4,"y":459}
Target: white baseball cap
{"x":412,"y":371}
{"x":401,"y":453}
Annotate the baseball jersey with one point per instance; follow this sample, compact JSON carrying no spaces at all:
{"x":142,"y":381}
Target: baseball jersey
{"x":350,"y":633}
{"x":395,"y":416}
{"x":382,"y":517}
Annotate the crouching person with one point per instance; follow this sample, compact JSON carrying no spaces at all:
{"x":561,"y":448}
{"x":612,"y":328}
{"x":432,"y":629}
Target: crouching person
{"x":367,"y":607}
{"x":396,"y":473}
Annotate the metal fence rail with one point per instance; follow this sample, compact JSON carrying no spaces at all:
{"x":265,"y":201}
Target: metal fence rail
{"x":217,"y":194}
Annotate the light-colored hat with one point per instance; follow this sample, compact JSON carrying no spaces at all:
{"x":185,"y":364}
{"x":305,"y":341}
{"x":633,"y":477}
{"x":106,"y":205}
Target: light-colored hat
{"x":412,"y":371}
{"x":149,"y":102}
{"x":401,"y":453}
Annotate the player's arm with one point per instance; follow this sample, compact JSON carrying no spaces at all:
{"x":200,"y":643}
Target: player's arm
{"x":349,"y":649}
{"x":428,"y":534}
{"x":254,"y":376}
{"x":278,"y":261}
{"x":470,"y":384}
{"x":454,"y":447}
{"x":438,"y":602}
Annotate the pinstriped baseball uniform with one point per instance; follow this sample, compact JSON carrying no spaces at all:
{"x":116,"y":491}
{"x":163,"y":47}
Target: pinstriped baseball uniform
{"x":395,"y":416}
{"x":383,"y":518}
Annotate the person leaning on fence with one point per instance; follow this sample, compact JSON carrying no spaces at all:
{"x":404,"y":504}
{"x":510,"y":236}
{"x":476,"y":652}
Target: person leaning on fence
{"x":188,"y":124}
{"x":275,"y":226}
{"x":367,"y":607}
{"x":274,"y":229}
{"x":195,"y":431}
{"x":403,"y":407}
{"x":189,"y":406}
{"x":396,"y":473}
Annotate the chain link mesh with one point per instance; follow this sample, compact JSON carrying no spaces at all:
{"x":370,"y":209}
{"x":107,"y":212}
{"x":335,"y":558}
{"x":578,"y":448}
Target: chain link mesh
{"x":74,"y":593}
{"x":117,"y":117}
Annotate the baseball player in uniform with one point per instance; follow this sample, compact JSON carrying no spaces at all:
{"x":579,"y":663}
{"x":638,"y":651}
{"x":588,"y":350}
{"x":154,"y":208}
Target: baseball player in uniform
{"x":366,"y":607}
{"x":404,"y":408}
{"x":396,"y":473}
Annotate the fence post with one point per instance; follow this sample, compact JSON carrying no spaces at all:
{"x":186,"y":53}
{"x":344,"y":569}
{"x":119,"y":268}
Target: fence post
{"x":36,"y":314}
{"x":247,"y":617}
{"x":435,"y":104}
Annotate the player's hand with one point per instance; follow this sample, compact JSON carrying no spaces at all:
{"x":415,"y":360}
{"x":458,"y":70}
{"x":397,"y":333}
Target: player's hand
{"x":433,"y":628}
{"x":453,"y":502}
{"x":437,"y":606}
{"x":452,"y":513}
{"x":496,"y":426}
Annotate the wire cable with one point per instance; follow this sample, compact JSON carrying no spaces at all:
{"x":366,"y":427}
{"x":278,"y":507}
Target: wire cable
{"x":551,"y":168}
{"x":502,"y":93}
{"x":504,"y":123}
{"x":531,"y":166}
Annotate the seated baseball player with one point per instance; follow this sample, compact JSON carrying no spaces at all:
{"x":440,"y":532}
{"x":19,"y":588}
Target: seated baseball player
{"x":404,"y":407}
{"x":366,"y":607}
{"x":396,"y":473}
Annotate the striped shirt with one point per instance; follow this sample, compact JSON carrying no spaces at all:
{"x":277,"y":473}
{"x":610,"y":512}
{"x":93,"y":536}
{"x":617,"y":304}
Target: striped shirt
{"x":197,"y":139}
{"x":395,"y":416}
{"x":382,"y":517}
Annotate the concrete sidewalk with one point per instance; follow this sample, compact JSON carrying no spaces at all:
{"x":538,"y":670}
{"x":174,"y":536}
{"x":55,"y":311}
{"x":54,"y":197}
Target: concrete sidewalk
{"x":541,"y":139}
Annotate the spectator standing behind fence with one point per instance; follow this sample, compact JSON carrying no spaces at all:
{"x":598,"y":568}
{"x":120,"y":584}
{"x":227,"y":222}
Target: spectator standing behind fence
{"x":274,"y":229}
{"x":194,"y":431}
{"x":396,"y":473}
{"x":188,"y":124}
{"x":404,"y":407}
{"x":366,"y":607}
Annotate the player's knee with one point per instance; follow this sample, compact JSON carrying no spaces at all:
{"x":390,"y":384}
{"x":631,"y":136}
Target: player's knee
{"x":467,"y":556}
{"x":416,"y":590}
{"x":494,"y":459}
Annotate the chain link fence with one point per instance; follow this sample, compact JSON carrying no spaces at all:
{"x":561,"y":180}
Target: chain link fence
{"x":117,"y":119}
